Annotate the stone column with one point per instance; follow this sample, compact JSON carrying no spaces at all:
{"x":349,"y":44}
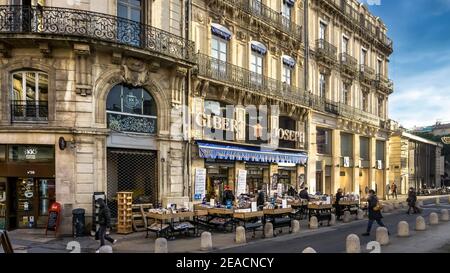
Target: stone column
{"x":356,"y":163}
{"x":372,"y":176}
{"x":310,"y":176}
{"x":336,"y":151}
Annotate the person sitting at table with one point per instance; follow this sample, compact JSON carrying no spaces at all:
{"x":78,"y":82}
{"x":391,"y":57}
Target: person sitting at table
{"x":292,"y":191}
{"x":261,"y":199}
{"x":304,"y":194}
{"x":339,"y":196}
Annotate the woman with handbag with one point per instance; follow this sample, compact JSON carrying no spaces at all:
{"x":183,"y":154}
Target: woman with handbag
{"x":374,"y":208}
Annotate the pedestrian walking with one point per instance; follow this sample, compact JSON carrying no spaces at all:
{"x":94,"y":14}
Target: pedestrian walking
{"x":104,"y":221}
{"x":374,"y":210}
{"x":394,"y":190}
{"x":412,"y":199}
{"x":388,"y":188}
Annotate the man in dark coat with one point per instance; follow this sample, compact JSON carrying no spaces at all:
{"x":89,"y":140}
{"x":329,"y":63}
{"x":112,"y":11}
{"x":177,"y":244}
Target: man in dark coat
{"x":374,"y":213}
{"x":261,"y":199}
{"x":227,"y":195}
{"x":104,"y":220}
{"x":339,"y":196}
{"x":304,"y":194}
{"x":412,"y":199}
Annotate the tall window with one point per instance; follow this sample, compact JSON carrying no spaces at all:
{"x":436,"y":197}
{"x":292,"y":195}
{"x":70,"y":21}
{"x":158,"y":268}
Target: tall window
{"x":365,"y":101}
{"x":380,"y":106}
{"x":322,"y":31}
{"x":219,"y":53}
{"x":345,"y":98}
{"x":323,"y":140}
{"x":344,"y":44}
{"x":256,"y":67}
{"x":364,"y":148}
{"x":363,"y":56}
{"x":287,"y":74}
{"x":286,"y":12}
{"x":379,"y":67}
{"x":322,"y":85}
{"x":346,"y":145}
{"x":29,"y":96}
{"x":131,"y":109}
{"x":256,"y":6}
{"x":129,"y":30}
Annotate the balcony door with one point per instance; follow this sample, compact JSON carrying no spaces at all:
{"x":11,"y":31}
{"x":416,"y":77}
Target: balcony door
{"x":130,"y":13}
{"x":21,"y":15}
{"x":256,"y":68}
{"x":219,"y":51}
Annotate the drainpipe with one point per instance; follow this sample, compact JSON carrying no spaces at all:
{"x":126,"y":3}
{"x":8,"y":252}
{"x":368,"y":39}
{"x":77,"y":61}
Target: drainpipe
{"x":187,"y":158}
{"x":306,"y":35}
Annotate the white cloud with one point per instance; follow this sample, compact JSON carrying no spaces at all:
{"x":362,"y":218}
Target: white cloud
{"x":422,"y":99}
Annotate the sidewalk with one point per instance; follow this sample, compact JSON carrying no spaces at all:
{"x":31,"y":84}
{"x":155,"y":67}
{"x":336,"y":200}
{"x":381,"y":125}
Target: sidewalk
{"x":35,"y":241}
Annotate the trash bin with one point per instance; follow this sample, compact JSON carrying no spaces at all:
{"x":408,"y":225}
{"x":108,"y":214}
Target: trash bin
{"x":78,"y":222}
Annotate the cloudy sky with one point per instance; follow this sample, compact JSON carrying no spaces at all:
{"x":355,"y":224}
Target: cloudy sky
{"x":420,"y":65}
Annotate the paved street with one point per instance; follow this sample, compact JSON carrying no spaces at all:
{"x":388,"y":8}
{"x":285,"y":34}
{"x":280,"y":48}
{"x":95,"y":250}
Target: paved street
{"x":332,"y":239}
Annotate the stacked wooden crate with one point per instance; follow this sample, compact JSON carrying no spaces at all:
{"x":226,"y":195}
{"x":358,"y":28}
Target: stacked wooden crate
{"x":124,"y":212}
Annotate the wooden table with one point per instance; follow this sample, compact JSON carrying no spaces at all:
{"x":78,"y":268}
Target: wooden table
{"x":351,"y":206}
{"x":170,"y":229}
{"x":300,"y":209}
{"x":322,"y":212}
{"x":221,"y":213}
{"x":279,"y":218}
{"x":250,"y":220}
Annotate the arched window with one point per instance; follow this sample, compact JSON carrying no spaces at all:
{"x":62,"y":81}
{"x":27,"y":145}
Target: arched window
{"x":29,"y":96}
{"x":132,"y":110}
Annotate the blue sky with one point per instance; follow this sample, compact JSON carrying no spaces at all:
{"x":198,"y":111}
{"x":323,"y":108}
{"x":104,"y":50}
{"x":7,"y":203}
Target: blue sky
{"x":420,"y":65}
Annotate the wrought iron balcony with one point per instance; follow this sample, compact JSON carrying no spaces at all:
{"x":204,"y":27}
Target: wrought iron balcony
{"x":71,"y":23}
{"x":268,"y":16}
{"x":124,"y":122}
{"x":356,"y":114}
{"x":366,"y":73}
{"x":325,"y":50}
{"x":29,"y":110}
{"x":384,"y":83}
{"x":236,"y":76}
{"x":349,"y":64}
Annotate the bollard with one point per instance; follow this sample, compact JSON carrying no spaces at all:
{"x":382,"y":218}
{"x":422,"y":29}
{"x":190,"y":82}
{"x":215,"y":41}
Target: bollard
{"x":105,"y":249}
{"x":382,"y":236}
{"x":268,"y":230}
{"x":240,"y":235}
{"x":434,"y":219}
{"x":444,"y":215}
{"x":161,"y":245}
{"x":347,"y":217}
{"x":206,"y":241}
{"x":438,"y":201}
{"x":403,"y":229}
{"x":360,"y":215}
{"x":313,"y":223}
{"x":333,"y":219}
{"x":420,"y":224}
{"x":309,"y":250}
{"x":295,"y":226}
{"x":352,"y":244}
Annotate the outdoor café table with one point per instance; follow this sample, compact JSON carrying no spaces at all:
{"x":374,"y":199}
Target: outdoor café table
{"x":279,"y":218}
{"x":220,"y":218}
{"x":351,"y":206}
{"x":172,"y":226}
{"x":322,"y":212}
{"x":251,"y":220}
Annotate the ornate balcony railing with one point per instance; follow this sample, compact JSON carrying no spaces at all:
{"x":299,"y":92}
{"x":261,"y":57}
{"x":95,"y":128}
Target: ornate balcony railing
{"x":348,"y":62}
{"x":239,"y":77}
{"x":123,"y":122}
{"x":359,"y":19}
{"x":93,"y":26}
{"x":29,"y":110}
{"x":383,"y":82}
{"x":367,"y":72}
{"x":358,"y":115}
{"x":326,"y":49}
{"x":268,"y":16}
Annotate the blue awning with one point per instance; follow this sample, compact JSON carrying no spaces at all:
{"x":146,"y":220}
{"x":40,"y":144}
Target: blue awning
{"x":221,"y":31}
{"x":289,"y":61}
{"x":259,"y":47}
{"x":230,"y":152}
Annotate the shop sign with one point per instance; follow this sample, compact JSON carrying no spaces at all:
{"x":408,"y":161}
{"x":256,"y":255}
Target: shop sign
{"x":289,"y":135}
{"x":30,"y":153}
{"x":379,"y":164}
{"x":241,"y":182}
{"x":217,"y":122}
{"x":200,"y":184}
{"x":31,"y":172}
{"x":346,"y":162}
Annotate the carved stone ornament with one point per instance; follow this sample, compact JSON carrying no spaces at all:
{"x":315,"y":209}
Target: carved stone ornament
{"x":135,"y":72}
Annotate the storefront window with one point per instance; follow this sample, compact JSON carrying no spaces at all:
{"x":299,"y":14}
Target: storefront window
{"x":287,"y":123}
{"x":256,"y":125}
{"x":217,"y":109}
{"x":364,"y":148}
{"x":323,"y":140}
{"x":31,"y":153}
{"x":131,"y":109}
{"x":346,"y":145}
{"x":380,"y":150}
{"x":47,"y":195}
{"x":2,"y":153}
